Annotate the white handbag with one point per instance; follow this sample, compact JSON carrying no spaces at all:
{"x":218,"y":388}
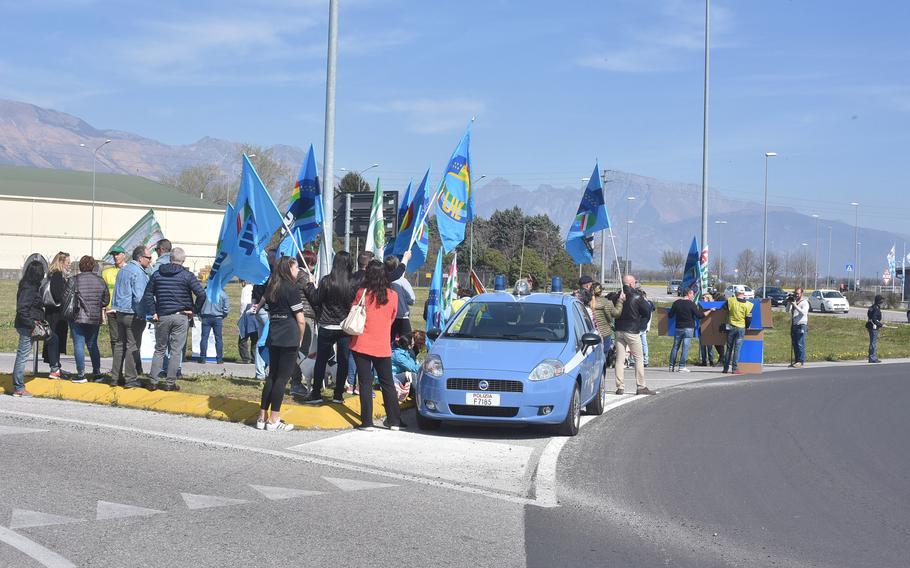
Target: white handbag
{"x":357,"y":318}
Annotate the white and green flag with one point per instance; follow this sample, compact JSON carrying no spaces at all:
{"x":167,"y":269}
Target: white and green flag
{"x":376,"y":230}
{"x":145,"y":232}
{"x":450,"y":289}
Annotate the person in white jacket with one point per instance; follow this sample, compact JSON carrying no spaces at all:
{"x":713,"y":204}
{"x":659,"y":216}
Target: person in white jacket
{"x":798,"y":308}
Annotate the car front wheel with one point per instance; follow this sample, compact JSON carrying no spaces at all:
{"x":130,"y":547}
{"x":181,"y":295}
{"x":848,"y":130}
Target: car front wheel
{"x":571,"y":424}
{"x":597,"y":404}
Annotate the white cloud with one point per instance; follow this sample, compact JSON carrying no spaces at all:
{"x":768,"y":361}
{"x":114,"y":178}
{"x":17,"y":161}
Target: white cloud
{"x":430,"y":116}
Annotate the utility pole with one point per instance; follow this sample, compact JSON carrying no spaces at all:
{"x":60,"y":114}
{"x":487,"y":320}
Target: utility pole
{"x":704,"y":149}
{"x":328,"y":161}
{"x":603,"y":239}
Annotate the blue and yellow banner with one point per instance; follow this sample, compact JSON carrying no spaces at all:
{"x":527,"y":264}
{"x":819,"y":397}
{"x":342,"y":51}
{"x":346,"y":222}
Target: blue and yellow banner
{"x":455,"y":201}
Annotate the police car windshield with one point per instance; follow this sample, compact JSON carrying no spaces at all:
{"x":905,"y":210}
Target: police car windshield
{"x":517,"y":321}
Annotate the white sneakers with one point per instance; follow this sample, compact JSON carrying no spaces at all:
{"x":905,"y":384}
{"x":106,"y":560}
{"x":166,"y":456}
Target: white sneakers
{"x":280,"y":426}
{"x":260,"y":424}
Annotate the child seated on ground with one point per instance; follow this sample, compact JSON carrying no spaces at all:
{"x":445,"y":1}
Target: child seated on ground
{"x":404,"y":365}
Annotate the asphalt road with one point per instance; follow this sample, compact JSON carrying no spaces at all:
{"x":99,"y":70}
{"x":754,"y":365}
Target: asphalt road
{"x":794,"y":468}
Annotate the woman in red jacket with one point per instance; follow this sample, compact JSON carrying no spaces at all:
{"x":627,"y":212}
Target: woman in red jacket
{"x":373,"y":350}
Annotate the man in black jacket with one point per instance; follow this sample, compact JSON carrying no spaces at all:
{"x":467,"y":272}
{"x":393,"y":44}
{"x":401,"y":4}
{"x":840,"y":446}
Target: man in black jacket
{"x":169,"y":298}
{"x":874,"y":323}
{"x":635,"y":310}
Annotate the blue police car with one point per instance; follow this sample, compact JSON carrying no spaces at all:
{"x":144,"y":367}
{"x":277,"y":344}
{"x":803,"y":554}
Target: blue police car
{"x":514,"y":358}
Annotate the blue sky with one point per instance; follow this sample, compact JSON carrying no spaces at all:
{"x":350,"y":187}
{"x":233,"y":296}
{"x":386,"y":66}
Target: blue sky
{"x":825,"y":84}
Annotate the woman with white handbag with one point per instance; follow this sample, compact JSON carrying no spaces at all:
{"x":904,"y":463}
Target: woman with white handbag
{"x":374,"y":309}
{"x":332,"y":302}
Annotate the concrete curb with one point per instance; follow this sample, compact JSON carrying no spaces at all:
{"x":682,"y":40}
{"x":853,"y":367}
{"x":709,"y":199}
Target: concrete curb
{"x":326,"y":416}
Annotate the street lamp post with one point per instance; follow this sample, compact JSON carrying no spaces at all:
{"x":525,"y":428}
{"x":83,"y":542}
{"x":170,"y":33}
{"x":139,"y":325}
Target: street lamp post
{"x":629,"y":201}
{"x":859,"y":266}
{"x":805,"y":263}
{"x":720,"y":249}
{"x":815,"y":261}
{"x":94,"y":156}
{"x":521,"y":262}
{"x":855,"y":243}
{"x":764,"y":250}
{"x":471,"y":239}
{"x":828,"y":276}
{"x":626,"y":260}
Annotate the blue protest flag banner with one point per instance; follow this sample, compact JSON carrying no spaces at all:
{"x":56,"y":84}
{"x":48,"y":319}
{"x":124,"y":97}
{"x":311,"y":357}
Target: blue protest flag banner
{"x":692,"y":271}
{"x":222,"y":271}
{"x":455,"y":200}
{"x":257,"y":218}
{"x":435,"y":313}
{"x":591,"y":217}
{"x":304,"y":214}
{"x":420,"y":237}
{"x":406,"y":222}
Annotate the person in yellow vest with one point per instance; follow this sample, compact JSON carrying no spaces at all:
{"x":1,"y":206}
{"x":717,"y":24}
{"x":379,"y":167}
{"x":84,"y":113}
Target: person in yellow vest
{"x":739,"y":313}
{"x":109,"y":275}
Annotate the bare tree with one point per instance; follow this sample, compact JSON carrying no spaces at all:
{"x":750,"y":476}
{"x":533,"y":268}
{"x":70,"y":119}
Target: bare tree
{"x":195,"y":180}
{"x":748,"y":265}
{"x":673,"y":262}
{"x":775,"y":264}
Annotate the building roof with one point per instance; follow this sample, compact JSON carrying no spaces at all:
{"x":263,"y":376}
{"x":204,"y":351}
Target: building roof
{"x":109,"y":188}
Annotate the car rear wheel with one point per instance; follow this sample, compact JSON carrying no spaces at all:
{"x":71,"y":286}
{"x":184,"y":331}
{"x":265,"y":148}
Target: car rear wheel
{"x":425,"y":423}
{"x":570,"y":425}
{"x":597,"y":404}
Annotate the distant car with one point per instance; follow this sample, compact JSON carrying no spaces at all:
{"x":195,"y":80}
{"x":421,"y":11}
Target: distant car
{"x":828,"y":301}
{"x":729,"y":291}
{"x":521,"y":359}
{"x":776,"y":294}
{"x":673,"y":286}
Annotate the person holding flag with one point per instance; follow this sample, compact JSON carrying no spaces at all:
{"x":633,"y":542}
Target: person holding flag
{"x":591,"y":217}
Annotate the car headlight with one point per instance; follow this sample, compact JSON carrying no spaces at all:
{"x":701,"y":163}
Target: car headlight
{"x":432,"y":366}
{"x":547,"y":369}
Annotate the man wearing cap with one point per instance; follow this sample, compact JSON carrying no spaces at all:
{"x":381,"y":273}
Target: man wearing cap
{"x":738,"y":312}
{"x":109,"y":275}
{"x":583,"y":294}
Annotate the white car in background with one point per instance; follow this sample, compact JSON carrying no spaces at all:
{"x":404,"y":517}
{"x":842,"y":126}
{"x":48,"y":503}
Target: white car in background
{"x":729,"y":291}
{"x":828,"y":301}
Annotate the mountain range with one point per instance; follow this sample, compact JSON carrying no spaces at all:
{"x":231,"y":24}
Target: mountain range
{"x":664,"y":214}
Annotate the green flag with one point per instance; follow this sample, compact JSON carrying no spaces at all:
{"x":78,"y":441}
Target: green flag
{"x":145,"y":232}
{"x":376,"y":230}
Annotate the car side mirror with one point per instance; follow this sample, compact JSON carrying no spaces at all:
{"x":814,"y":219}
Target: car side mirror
{"x":434,"y":333}
{"x":591,"y":340}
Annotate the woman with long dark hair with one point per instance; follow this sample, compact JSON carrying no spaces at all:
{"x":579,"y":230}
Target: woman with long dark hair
{"x":373,"y":350}
{"x":286,"y":328}
{"x":332,"y":302}
{"x":29,"y":309}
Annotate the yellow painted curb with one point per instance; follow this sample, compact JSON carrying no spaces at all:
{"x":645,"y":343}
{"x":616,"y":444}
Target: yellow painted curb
{"x":325,"y":416}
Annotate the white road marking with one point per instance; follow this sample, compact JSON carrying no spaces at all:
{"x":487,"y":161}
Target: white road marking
{"x":276,"y":493}
{"x":45,"y":557}
{"x":493,"y":465}
{"x":194,"y":501}
{"x":23,"y":519}
{"x":109,"y":510}
{"x":296,"y":456}
{"x":4,"y":430}
{"x":545,"y":480}
{"x":356,"y":484}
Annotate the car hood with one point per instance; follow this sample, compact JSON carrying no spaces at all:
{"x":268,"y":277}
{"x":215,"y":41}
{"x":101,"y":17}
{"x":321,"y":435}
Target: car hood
{"x":493,"y":355}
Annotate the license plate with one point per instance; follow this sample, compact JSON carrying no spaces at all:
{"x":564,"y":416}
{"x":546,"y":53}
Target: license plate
{"x":482,"y":399}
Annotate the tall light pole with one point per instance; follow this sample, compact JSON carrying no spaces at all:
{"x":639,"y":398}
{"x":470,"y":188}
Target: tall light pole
{"x":347,"y":204}
{"x":805,"y":263}
{"x":626,"y":259}
{"x":815,"y":262}
{"x":521,"y":263}
{"x":629,"y":201}
{"x":764,"y":248}
{"x":855,"y":244}
{"x":720,"y":251}
{"x":859,"y":265}
{"x":828,"y":276}
{"x":328,"y":160}
{"x":471,"y":239}
{"x":704,"y":149}
{"x":94,"y":156}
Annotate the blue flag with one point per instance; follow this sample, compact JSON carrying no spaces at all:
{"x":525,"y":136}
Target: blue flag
{"x":222,"y":271}
{"x":420,"y":205}
{"x":305,"y":208}
{"x":455,"y":201}
{"x":435,"y":314}
{"x":257,"y":218}
{"x":692,"y":271}
{"x":592,"y":216}
{"x":405,"y":223}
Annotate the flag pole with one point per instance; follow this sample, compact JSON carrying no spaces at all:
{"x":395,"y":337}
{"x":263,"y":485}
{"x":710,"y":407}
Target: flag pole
{"x":615,"y":255}
{"x":287,"y":227}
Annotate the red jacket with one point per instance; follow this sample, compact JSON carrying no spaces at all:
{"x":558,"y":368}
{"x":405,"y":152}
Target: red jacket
{"x":377,"y":332}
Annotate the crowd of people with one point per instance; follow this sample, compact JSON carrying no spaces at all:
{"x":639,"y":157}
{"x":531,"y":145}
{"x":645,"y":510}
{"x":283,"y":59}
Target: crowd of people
{"x":133,"y":291}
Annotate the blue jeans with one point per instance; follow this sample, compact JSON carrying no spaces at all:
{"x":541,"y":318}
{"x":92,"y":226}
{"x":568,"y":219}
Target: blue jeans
{"x":798,"y":338}
{"x":211,"y":324}
{"x":682,"y":338}
{"x":261,"y":316}
{"x":352,"y":370}
{"x":86,"y":334}
{"x":644,"y":347}
{"x":23,"y":350}
{"x":873,"y":344}
{"x":734,"y":344}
